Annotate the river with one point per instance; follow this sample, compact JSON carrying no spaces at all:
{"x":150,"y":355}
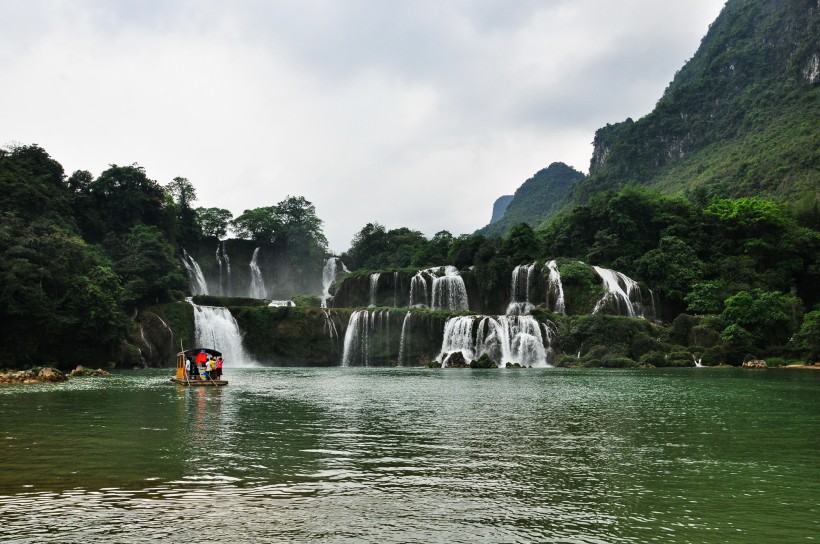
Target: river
{"x":415,"y":455}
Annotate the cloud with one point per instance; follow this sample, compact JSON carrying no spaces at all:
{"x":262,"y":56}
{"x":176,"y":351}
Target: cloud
{"x":415,"y":114}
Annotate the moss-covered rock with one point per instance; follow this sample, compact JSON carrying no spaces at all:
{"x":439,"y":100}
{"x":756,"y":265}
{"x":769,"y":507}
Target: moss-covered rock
{"x":483,"y":362}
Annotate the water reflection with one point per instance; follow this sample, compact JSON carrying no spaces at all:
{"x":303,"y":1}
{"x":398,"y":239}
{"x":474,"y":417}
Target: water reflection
{"x":410,"y":455}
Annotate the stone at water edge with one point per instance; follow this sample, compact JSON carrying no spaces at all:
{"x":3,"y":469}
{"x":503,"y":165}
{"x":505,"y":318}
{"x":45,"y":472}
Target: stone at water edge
{"x":484,"y":362}
{"x":759,"y":363}
{"x":81,"y":371}
{"x":456,"y":360}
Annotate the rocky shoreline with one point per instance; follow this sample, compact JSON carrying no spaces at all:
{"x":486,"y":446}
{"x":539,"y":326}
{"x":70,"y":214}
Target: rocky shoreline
{"x":47,"y":375}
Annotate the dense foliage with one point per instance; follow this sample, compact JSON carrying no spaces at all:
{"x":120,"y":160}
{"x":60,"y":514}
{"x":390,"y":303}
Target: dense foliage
{"x":80,"y":255}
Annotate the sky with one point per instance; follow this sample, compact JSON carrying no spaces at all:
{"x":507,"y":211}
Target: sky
{"x":407,"y":113}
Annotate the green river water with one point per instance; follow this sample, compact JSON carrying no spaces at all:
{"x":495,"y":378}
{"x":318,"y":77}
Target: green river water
{"x":415,"y":455}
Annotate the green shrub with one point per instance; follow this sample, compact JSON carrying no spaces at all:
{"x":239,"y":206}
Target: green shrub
{"x":307,"y":301}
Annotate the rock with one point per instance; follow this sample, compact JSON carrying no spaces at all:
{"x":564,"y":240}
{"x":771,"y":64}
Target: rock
{"x":484,"y":362}
{"x":755,"y":364}
{"x":51,"y":375}
{"x":433,"y":364}
{"x":456,"y":360}
{"x":81,"y":371}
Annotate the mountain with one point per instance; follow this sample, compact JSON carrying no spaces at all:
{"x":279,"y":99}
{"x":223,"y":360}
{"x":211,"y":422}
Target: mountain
{"x":500,"y":206}
{"x":739,"y":119}
{"x":538,"y":198}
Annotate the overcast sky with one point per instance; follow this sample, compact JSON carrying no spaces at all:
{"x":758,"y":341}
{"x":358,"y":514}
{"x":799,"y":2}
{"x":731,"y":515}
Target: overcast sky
{"x":408,"y":113}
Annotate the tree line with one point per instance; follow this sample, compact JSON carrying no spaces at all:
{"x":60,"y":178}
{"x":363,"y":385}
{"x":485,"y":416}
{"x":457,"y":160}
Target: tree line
{"x":79,"y":255}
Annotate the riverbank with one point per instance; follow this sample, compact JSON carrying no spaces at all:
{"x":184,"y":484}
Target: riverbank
{"x":47,"y":375}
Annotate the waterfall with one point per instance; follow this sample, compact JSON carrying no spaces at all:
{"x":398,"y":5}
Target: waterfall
{"x":449,"y":292}
{"x":395,"y":289}
{"x":367,"y":338}
{"x":331,"y":273}
{"x":224,"y":262}
{"x":522,"y":276}
{"x":418,"y":290}
{"x":374,"y":286}
{"x":505,"y":339}
{"x":556,"y":288}
{"x":403,"y":338}
{"x":257,"y":288}
{"x":216,"y":328}
{"x":357,"y":339}
{"x":196,"y":279}
{"x":330,"y":327}
{"x":621,"y":290}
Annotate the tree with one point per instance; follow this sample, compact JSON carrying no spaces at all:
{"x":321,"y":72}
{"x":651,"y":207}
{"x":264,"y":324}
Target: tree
{"x":213,"y":222}
{"x":182,"y":191}
{"x":671,"y":269}
{"x":183,"y":194}
{"x":122,"y":197}
{"x":769,"y":317}
{"x":522,"y":244}
{"x":148,"y":268}
{"x":259,"y":224}
{"x":434,"y":252}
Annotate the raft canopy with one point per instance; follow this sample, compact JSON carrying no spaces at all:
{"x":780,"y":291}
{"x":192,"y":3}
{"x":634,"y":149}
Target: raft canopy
{"x":193,"y":352}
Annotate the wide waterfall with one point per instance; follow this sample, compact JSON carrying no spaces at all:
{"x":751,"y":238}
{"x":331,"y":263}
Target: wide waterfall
{"x":522,"y":279}
{"x":622,"y":292}
{"x":505,"y":339}
{"x":334,"y":267}
{"x":361,"y":339}
{"x":216,"y":328}
{"x":374,"y":288}
{"x":257,"y":287}
{"x":556,"y":289}
{"x":196,"y":279}
{"x":449,"y":292}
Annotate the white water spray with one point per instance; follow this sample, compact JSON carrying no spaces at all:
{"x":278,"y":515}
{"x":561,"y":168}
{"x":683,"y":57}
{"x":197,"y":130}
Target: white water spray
{"x":522,"y":278}
{"x":402,"y":340}
{"x":505,"y":339}
{"x":374,"y":288}
{"x":622,"y":290}
{"x":556,"y":288}
{"x":334,"y":267}
{"x":216,"y":328}
{"x":257,"y":288}
{"x":196,"y":279}
{"x":449,"y":292}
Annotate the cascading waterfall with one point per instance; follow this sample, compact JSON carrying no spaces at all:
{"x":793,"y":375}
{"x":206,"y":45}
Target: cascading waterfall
{"x":516,"y":339}
{"x":556,"y":289}
{"x":374,"y":288}
{"x":395,"y":289}
{"x":216,"y":328}
{"x":522,"y":277}
{"x":358,"y":343}
{"x":449,"y":292}
{"x":334,"y":267}
{"x":257,"y":287}
{"x":196,"y":279}
{"x":622,"y":290}
{"x":403,"y":338}
{"x":224,"y":262}
{"x":418,"y":290}
{"x":330,"y":327}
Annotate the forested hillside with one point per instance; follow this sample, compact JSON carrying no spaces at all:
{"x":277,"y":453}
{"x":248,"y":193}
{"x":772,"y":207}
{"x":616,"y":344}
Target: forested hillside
{"x":540,"y":196}
{"x":739,"y":119}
